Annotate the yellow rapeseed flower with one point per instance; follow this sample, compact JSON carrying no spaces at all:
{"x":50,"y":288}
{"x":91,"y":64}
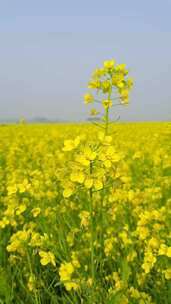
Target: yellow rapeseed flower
{"x":12,"y":189}
{"x":167,"y":273}
{"x":98,"y":185}
{"x":65,"y":272}
{"x":68,"y":191}
{"x":47,"y":258}
{"x":77,"y":176}
{"x":36,"y":211}
{"x":107,"y":103}
{"x":94,"y":112}
{"x":88,"y":183}
{"x":106,"y":86}
{"x":70,"y":144}
{"x":94,"y":84}
{"x":88,"y":98}
{"x":31,"y":284}
{"x":109,"y":64}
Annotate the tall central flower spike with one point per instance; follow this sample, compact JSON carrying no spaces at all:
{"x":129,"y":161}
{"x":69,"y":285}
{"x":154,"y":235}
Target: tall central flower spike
{"x":111,"y":86}
{"x":93,"y":164}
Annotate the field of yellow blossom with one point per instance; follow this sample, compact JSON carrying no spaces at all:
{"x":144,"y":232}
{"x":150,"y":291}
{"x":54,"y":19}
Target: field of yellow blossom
{"x":85,"y":217}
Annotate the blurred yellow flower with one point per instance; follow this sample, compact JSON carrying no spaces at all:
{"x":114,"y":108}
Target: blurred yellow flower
{"x":109,"y":64}
{"x":107,"y":103}
{"x":88,"y":98}
{"x":47,"y":258}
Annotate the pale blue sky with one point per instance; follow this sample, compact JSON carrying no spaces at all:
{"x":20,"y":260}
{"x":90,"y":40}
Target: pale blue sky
{"x":48,"y":50}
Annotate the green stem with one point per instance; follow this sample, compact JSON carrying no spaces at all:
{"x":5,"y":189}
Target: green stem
{"x":92,"y":236}
{"x":31,"y":272}
{"x":101,"y":233}
{"x":107,"y":117}
{"x":106,"y":121}
{"x":102,"y":196}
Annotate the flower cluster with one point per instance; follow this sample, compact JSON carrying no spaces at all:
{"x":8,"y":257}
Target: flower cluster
{"x":110,"y":81}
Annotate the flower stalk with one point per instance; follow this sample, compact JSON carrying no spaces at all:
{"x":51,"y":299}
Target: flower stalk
{"x":92,"y":236}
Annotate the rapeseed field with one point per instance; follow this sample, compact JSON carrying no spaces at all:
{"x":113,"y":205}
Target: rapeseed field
{"x":46,"y":216}
{"x":85,"y":208}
